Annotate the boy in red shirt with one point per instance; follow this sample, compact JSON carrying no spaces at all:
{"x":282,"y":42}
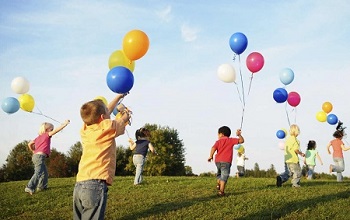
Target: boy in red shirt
{"x":224,"y":155}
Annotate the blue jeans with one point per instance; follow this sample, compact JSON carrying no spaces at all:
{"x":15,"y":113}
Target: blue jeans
{"x":139,"y":162}
{"x":90,"y":199}
{"x":286,"y":174}
{"x":310,"y":171}
{"x":223,"y":171}
{"x":40,"y":177}
{"x":339,"y":167}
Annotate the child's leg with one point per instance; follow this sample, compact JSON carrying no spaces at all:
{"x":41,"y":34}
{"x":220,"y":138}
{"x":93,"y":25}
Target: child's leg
{"x":310,"y":172}
{"x":225,"y":173}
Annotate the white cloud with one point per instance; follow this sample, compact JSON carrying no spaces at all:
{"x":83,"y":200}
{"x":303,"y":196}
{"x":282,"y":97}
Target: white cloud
{"x":165,"y":14}
{"x":189,"y":33}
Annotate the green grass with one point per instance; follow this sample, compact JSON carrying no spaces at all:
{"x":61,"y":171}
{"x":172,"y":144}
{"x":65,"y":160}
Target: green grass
{"x":186,"y":198}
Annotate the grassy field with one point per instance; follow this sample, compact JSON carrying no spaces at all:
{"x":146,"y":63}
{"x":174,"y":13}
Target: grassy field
{"x":186,"y":198}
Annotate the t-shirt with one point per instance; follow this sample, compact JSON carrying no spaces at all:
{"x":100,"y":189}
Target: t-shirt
{"x":240,"y":160}
{"x":224,"y":149}
{"x":43,"y":144}
{"x":310,"y":157}
{"x":142,"y":147}
{"x":292,"y":144}
{"x":337,"y":150}
{"x":98,"y":160}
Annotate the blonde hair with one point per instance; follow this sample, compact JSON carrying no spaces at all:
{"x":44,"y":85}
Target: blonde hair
{"x":44,"y":127}
{"x":294,"y":130}
{"x":91,"y":111}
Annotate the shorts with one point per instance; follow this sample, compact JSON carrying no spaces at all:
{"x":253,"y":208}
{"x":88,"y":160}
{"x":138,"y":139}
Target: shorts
{"x":223,"y":172}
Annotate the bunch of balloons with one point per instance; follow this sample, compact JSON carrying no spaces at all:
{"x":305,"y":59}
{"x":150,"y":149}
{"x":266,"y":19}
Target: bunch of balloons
{"x":10,"y":105}
{"x":120,"y":78}
{"x":323,"y":115}
{"x":280,"y":95}
{"x":239,"y":148}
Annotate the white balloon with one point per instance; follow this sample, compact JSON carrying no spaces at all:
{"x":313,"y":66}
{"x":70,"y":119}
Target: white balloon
{"x":20,"y":85}
{"x":227,"y":73}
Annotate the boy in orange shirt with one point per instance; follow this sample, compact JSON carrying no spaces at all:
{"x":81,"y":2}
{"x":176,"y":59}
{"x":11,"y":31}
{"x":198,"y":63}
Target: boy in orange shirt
{"x":98,"y":161}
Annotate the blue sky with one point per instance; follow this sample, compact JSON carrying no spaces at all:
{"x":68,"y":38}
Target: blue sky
{"x":62,"y":49}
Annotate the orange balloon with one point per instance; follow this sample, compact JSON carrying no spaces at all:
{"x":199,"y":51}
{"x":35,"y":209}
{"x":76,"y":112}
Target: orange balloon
{"x":135,"y":44}
{"x":327,"y":107}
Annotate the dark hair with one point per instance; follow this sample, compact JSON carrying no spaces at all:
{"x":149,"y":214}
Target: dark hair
{"x":142,"y":133}
{"x":226,"y":131}
{"x":339,"y":133}
{"x":311,"y":145}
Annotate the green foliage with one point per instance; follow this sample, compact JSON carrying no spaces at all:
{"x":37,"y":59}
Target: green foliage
{"x":186,"y":198}
{"x":123,"y":155}
{"x":73,"y":158}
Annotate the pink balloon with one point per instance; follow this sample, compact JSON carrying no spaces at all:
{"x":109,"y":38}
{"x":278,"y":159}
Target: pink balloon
{"x":255,"y":62}
{"x":293,"y":99}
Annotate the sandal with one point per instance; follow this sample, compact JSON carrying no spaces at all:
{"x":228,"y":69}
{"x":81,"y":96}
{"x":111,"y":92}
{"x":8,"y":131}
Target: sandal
{"x":221,"y":193}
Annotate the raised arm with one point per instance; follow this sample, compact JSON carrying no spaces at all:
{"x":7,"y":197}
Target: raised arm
{"x":132,"y":144}
{"x":111,"y":106}
{"x":53,"y":132}
{"x":240,"y":137}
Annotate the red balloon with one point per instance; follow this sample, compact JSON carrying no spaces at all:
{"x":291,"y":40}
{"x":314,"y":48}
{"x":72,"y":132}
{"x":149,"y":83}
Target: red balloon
{"x":293,"y":99}
{"x":255,"y":62}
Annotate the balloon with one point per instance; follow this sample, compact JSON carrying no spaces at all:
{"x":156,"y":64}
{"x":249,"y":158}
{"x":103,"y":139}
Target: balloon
{"x":241,"y":149}
{"x":255,"y":62}
{"x":118,"y":58}
{"x":281,"y":145}
{"x":332,"y":119}
{"x":280,"y":95}
{"x":327,"y":107}
{"x":120,"y":79}
{"x":293,"y":99}
{"x":10,"y":105}
{"x":286,"y":76}
{"x":280,"y":134}
{"x":237,"y":146}
{"x":26,"y":102}
{"x":321,"y":116}
{"x":103,"y":99}
{"x":135,"y":44}
{"x":20,"y":85}
{"x":238,"y":43}
{"x":227,"y":73}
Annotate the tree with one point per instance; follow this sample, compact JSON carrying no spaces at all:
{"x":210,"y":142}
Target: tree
{"x":73,"y":158}
{"x":57,"y":165}
{"x":19,"y":164}
{"x":123,"y":155}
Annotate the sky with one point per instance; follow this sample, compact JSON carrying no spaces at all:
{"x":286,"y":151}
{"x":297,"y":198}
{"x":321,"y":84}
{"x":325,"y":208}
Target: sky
{"x":62,"y":48}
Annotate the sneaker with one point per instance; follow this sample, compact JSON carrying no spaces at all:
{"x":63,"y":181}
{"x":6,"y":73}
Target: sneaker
{"x":28,"y":190}
{"x":221,"y":194}
{"x":278,"y":181}
{"x":296,"y":186}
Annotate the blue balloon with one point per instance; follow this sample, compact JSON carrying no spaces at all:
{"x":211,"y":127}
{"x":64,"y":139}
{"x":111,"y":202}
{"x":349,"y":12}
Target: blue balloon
{"x":280,"y":95}
{"x":238,"y":42}
{"x":120,"y":79}
{"x":280,"y":134}
{"x":10,"y":105}
{"x":332,"y":119}
{"x":237,"y":146}
{"x":115,"y":111}
{"x":286,"y":76}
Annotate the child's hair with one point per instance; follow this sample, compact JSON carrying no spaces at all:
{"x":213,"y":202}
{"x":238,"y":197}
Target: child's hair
{"x":311,"y":145}
{"x":142,"y":133}
{"x":91,"y":111}
{"x":45,"y":127}
{"x":226,"y":131}
{"x":339,"y":133}
{"x":294,"y":130}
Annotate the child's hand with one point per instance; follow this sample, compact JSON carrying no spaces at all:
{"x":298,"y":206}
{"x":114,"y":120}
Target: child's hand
{"x":131,"y":141}
{"x":238,"y":132}
{"x":210,"y":159}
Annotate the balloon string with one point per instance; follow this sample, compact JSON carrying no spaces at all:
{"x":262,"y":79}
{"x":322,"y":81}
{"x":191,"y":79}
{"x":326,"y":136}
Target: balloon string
{"x":242,"y":118}
{"x":127,"y":133}
{"x":287,"y":114}
{"x":250,"y":83}
{"x":240,"y":73}
{"x":45,"y":116}
{"x":239,"y":95}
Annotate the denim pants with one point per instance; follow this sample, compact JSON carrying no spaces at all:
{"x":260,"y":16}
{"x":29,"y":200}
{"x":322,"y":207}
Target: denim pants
{"x":310,"y":171}
{"x":339,"y":167}
{"x":40,"y":177}
{"x":139,"y":162}
{"x":223,"y":171}
{"x":90,"y":199}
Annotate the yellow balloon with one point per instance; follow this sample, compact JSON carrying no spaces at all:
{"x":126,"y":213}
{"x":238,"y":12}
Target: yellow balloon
{"x":327,"y":107}
{"x":26,"y":102}
{"x":103,"y":99}
{"x":321,"y":116}
{"x":241,"y":149}
{"x":118,"y":58}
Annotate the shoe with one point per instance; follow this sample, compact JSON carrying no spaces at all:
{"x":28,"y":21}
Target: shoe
{"x":218,"y":187}
{"x":28,"y":190}
{"x":278,"y":181}
{"x":296,"y":186}
{"x":221,"y":194}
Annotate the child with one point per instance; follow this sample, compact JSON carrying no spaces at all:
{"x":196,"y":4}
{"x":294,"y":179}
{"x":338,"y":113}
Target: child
{"x":224,"y":155}
{"x":98,"y":160}
{"x":310,"y":158}
{"x":41,"y":148}
{"x":291,"y":159}
{"x":141,"y":147}
{"x":241,"y":158}
{"x":338,"y":148}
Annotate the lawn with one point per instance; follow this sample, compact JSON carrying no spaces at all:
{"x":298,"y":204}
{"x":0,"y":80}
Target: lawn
{"x":186,"y":198}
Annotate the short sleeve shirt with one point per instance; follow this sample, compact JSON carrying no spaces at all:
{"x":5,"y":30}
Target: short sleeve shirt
{"x":224,"y":149}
